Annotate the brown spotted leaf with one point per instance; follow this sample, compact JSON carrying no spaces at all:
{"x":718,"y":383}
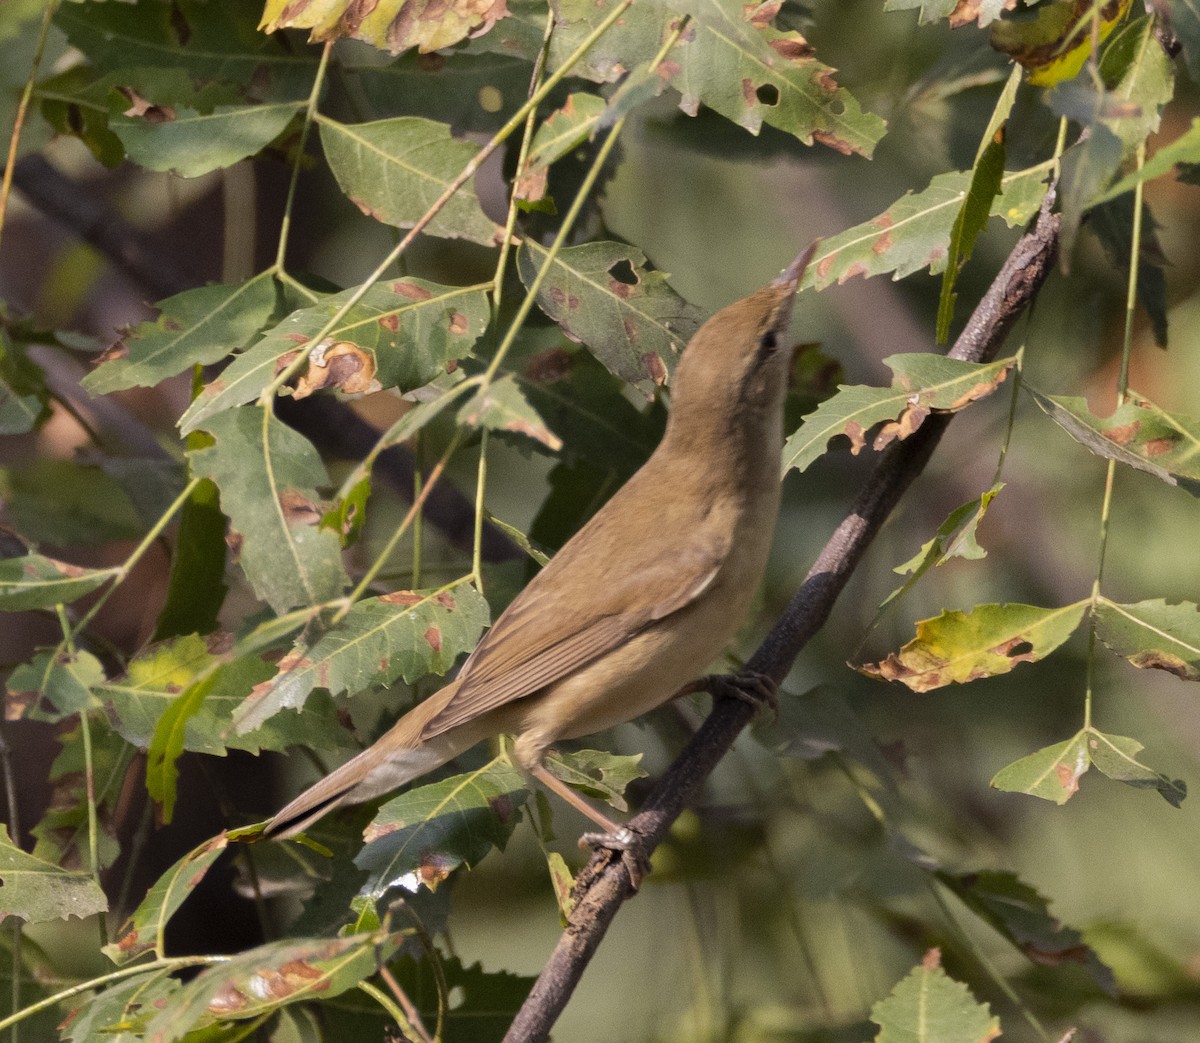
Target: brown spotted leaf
{"x":957,"y":647}
{"x":502,"y":406}
{"x":423,"y":835}
{"x":35,"y":581}
{"x":914,"y":232}
{"x":957,"y":12}
{"x":602,"y":295}
{"x":143,"y":931}
{"x":402,"y":333}
{"x":1153,"y":635}
{"x":390,"y":25}
{"x":923,"y":383}
{"x":1053,"y":773}
{"x":408,"y":634}
{"x":260,"y":980}
{"x":1138,"y":434}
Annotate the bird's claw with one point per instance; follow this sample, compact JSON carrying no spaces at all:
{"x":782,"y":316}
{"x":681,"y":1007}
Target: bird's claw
{"x":747,"y":686}
{"x":628,"y":844}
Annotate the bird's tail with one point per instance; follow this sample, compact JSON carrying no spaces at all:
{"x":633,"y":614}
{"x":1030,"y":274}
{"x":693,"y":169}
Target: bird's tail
{"x":397,"y":757}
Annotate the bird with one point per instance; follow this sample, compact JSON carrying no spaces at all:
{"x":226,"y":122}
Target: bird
{"x":623,"y":618}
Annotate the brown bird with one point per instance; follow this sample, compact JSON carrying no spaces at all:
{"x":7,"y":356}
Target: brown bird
{"x":639,"y":600}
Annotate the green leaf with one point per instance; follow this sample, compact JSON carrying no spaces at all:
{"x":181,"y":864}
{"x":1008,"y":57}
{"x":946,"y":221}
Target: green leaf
{"x":412,"y":330}
{"x":38,"y":891}
{"x":64,"y":679}
{"x":1184,"y":149}
{"x":143,"y":931}
{"x":423,"y":835}
{"x":270,"y":976}
{"x":1053,"y":773}
{"x":192,"y":143}
{"x":407,"y":634}
{"x":1185,"y":20}
{"x":24,"y":396}
{"x":196,"y":327}
{"x":562,"y":131}
{"x":1136,"y":68}
{"x":196,"y":589}
{"x":1054,"y":39}
{"x":930,"y":1007}
{"x":118,"y":1013}
{"x":1022,"y":915}
{"x":972,"y":216}
{"x":501,"y":406}
{"x":67,"y":504}
{"x":395,"y":169}
{"x":267,"y":474}
{"x":955,"y":538}
{"x":604,"y":776}
{"x":601,"y":294}
{"x":957,"y":647}
{"x":735,"y":62}
{"x":914,"y":232}
{"x":1087,"y":167}
{"x":1138,"y":434}
{"x":1112,"y":223}
{"x":923,"y":384}
{"x":1153,"y":635}
{"x":166,"y":745}
{"x":36,"y":581}
{"x":1116,"y":757}
{"x":210,"y":44}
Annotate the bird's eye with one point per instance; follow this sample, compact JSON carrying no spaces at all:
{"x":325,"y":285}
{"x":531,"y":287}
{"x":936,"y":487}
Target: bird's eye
{"x":766,"y":343}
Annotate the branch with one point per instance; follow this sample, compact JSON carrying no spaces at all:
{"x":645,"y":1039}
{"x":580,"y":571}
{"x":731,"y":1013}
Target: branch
{"x":331,"y":425}
{"x":604,"y":883}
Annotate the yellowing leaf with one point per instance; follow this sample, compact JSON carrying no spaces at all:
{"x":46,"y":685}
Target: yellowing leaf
{"x":957,"y":647}
{"x":1054,"y":39}
{"x":390,"y":25}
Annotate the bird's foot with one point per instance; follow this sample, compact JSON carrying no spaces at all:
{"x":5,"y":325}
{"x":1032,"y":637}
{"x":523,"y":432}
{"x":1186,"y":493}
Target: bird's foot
{"x":747,"y":686}
{"x":628,"y":844}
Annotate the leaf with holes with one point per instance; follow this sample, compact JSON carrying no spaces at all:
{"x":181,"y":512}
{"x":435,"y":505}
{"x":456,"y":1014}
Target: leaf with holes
{"x":502,"y":407}
{"x":957,"y":647}
{"x":143,"y":931}
{"x":1138,"y":434}
{"x":423,"y":835}
{"x":395,"y":169}
{"x":730,"y":58}
{"x":260,"y":980}
{"x":196,"y":327}
{"x":931,"y":1007}
{"x":602,"y":295}
{"x":402,"y":333}
{"x":914,"y":232}
{"x":267,"y":475}
{"x":407,"y":634}
{"x":1153,"y":635}
{"x":36,"y":581}
{"x":37,"y":891}
{"x":923,"y":384}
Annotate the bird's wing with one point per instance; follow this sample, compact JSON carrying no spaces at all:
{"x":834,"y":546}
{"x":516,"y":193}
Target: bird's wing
{"x":536,"y":643}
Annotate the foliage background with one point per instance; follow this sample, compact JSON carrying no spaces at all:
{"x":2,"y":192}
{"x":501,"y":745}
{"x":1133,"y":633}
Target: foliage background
{"x":782,"y":909}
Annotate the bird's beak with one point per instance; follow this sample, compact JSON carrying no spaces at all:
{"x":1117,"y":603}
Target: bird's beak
{"x":794,"y":272}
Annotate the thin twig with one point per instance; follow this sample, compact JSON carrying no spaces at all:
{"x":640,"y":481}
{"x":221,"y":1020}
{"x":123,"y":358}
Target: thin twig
{"x":604,"y":883}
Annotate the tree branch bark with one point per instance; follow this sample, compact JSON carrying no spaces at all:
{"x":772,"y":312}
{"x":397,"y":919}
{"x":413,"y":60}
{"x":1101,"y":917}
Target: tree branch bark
{"x":603,"y":884}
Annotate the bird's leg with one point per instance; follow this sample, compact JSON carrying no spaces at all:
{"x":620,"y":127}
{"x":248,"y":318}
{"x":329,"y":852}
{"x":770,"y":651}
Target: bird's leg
{"x":748,"y":686}
{"x":614,"y":837}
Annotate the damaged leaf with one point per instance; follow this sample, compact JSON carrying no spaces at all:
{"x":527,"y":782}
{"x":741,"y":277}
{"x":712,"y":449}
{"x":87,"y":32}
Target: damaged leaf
{"x":1138,"y":434}
{"x":423,"y":835}
{"x":37,"y":891}
{"x":957,"y":647}
{"x":1153,"y":635}
{"x":502,"y":406}
{"x":407,"y":634}
{"x":63,"y":679}
{"x":1053,"y":773}
{"x":36,"y":581}
{"x":341,"y":366}
{"x":923,"y":384}
{"x":1055,"y":38}
{"x":390,"y":25}
{"x":602,"y":295}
